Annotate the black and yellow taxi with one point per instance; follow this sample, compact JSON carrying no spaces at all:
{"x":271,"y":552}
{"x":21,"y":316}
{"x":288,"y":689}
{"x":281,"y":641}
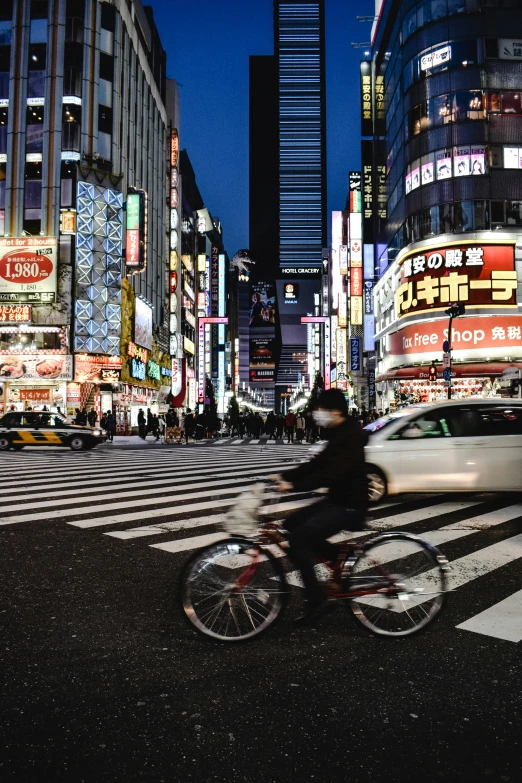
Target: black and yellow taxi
{"x":41,"y":428}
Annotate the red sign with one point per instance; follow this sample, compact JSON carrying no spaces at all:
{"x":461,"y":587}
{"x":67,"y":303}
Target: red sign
{"x":174,"y":147}
{"x":23,"y":266}
{"x":356,"y":281}
{"x":35,"y":395}
{"x":499,"y":331}
{"x":133,"y":248}
{"x":18,"y":313}
{"x":476,"y":275}
{"x":173,"y":282}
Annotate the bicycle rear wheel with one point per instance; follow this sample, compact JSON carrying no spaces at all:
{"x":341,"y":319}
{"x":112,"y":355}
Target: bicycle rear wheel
{"x":405,"y":584}
{"x":232,"y":590}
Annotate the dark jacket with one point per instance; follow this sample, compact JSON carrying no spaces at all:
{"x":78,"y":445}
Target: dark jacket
{"x":340,"y":467}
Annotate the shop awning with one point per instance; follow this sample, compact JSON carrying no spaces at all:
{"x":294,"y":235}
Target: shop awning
{"x":479,"y":370}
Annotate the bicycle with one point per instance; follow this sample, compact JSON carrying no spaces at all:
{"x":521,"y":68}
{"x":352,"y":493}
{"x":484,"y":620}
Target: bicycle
{"x":233,"y":590}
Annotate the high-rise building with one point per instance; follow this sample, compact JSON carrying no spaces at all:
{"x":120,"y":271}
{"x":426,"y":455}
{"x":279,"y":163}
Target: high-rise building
{"x":444,"y":107}
{"x":299,"y":50}
{"x":287,"y":190}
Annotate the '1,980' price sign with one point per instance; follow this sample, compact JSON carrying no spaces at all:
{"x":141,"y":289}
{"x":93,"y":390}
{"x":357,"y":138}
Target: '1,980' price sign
{"x":28,"y":269}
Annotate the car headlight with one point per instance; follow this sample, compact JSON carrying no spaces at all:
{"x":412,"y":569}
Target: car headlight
{"x":97,"y":433}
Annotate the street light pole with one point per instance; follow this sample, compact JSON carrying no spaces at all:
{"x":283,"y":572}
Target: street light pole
{"x":454,"y":311}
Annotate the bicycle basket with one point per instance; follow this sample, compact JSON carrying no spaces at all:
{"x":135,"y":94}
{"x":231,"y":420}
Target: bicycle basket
{"x":243,"y":517}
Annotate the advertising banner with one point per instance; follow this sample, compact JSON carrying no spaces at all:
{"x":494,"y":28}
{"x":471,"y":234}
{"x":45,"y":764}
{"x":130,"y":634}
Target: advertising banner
{"x":28,"y":269}
{"x":356,"y":281}
{"x":32,"y":367}
{"x":366,"y":99}
{"x":97,"y":368}
{"x":356,"y":310}
{"x":371,"y":389}
{"x":499,"y":331}
{"x":475,"y":275}
{"x":341,"y":359}
{"x":355,"y":354}
{"x":15,"y":313}
{"x":368,"y":298}
{"x":262,"y":359}
{"x":143,"y":324}
{"x":263,"y":308}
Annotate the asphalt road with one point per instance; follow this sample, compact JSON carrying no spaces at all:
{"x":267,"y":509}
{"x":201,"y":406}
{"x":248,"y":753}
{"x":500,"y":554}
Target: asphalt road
{"x":103,"y":680}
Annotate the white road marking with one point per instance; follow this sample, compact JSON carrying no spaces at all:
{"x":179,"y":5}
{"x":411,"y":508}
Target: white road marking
{"x":420,"y":514}
{"x":185,"y":544}
{"x":501,"y":621}
{"x":165,"y":482}
{"x":170,"y":512}
{"x":168,"y":527}
{"x":463,"y":571}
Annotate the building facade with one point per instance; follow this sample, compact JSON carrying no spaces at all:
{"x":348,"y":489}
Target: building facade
{"x":95,"y":306}
{"x":446,"y":118}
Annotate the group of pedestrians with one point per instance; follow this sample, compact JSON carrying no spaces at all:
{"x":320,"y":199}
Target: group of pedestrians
{"x":107,"y":421}
{"x":151,"y":423}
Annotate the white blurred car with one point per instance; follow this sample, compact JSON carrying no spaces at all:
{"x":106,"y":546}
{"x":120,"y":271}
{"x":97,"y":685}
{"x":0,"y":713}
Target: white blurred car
{"x":454,"y":446}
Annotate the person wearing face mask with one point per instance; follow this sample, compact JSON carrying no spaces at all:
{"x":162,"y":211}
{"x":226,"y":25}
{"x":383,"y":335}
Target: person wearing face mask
{"x":341,"y":468}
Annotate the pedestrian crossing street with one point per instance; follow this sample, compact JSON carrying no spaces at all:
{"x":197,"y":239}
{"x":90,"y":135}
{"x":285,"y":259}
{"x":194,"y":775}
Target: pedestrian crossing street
{"x":175,"y":501}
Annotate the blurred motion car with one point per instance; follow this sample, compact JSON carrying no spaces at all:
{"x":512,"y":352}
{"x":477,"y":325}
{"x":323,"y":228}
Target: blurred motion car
{"x":40,"y":428}
{"x":451,"y":446}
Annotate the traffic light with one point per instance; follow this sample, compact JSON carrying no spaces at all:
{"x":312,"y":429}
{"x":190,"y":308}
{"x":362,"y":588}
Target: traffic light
{"x":455,"y":310}
{"x":433,"y":372}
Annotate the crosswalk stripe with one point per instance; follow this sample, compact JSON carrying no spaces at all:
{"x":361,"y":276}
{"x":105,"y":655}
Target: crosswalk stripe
{"x":169,"y":512}
{"x":159,"y":470}
{"x":420,"y":514}
{"x":164,"y":484}
{"x":501,"y":621}
{"x":156,"y":500}
{"x":463,"y":570}
{"x":167,"y":527}
{"x":186,"y":544}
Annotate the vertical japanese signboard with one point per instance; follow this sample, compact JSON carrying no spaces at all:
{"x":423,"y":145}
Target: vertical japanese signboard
{"x":366,"y":99}
{"x":136,"y":239}
{"x":368,"y":205}
{"x":340,"y":342}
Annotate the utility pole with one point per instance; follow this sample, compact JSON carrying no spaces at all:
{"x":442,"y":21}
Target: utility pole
{"x":454,"y":311}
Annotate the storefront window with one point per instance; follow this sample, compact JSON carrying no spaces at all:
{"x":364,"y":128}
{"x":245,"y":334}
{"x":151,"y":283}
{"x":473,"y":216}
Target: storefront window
{"x":463,"y":216}
{"x":34,"y":129}
{"x":15,"y":341}
{"x":511,"y":103}
{"x":514,"y":213}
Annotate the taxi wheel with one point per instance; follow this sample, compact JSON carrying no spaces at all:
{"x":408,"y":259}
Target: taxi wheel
{"x":76,"y":443}
{"x":17,"y":447}
{"x":5,"y":443}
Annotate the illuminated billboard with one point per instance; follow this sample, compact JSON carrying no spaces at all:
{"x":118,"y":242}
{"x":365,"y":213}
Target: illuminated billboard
{"x":477,"y":275}
{"x":28,"y":269}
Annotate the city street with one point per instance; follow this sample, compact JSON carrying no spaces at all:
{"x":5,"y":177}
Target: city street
{"x":104,"y":680}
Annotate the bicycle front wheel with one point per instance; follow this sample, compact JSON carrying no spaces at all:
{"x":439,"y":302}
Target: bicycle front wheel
{"x":233,"y":590}
{"x":401,"y":584}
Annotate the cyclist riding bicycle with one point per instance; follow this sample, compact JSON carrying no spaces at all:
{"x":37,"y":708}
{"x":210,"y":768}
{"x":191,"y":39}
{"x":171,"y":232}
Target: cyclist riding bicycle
{"x":341,"y":468}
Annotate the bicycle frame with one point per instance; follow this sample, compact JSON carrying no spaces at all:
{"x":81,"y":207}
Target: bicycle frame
{"x":342,"y":571}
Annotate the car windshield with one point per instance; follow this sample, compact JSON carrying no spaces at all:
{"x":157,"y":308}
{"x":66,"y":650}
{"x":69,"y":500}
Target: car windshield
{"x":389,"y":418}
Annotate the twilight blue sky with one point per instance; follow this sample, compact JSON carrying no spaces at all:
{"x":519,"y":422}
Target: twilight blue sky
{"x":208,"y":44}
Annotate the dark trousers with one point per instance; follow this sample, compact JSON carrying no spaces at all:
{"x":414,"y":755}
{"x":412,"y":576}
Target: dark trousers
{"x":309,"y":528}
{"x":141,"y":431}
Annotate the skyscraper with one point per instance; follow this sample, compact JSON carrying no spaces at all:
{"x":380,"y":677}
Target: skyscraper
{"x":299,"y":49}
{"x":288,"y":182}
